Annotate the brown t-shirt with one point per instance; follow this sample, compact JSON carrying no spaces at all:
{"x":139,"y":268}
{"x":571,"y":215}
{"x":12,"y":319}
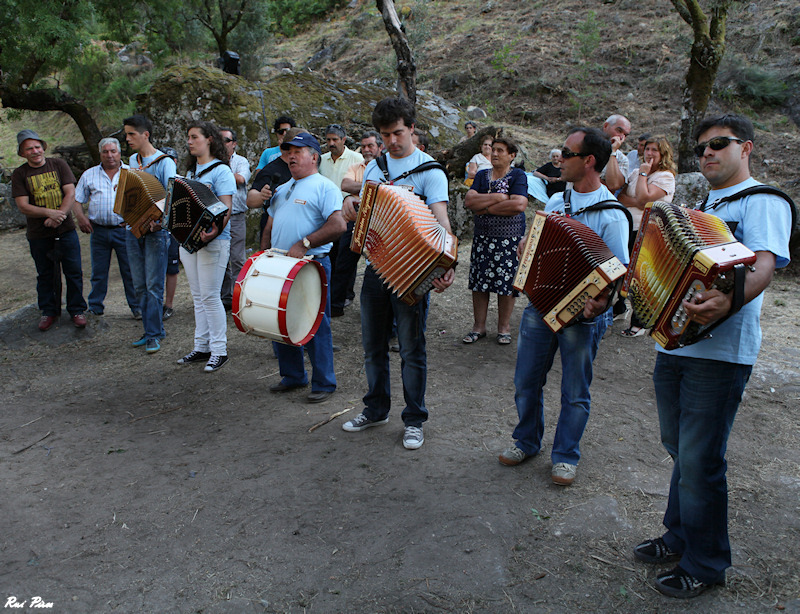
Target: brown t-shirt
{"x":42,"y":186}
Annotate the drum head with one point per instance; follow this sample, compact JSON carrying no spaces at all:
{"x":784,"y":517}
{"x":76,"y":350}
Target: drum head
{"x":304,"y":303}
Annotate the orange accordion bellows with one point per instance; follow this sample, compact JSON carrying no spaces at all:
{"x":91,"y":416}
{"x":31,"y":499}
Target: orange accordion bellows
{"x":405,"y":244}
{"x":139,"y":200}
{"x":564,"y":264}
{"x":678,"y":253}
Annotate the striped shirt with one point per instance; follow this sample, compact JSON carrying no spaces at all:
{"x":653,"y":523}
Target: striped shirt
{"x":96,"y":189}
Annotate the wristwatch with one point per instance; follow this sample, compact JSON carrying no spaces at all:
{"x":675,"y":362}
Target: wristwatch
{"x":643,"y":174}
{"x":306,"y":243}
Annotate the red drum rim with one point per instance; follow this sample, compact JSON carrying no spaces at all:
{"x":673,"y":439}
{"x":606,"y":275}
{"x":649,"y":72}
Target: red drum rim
{"x":237,"y":291}
{"x":285,"y":299}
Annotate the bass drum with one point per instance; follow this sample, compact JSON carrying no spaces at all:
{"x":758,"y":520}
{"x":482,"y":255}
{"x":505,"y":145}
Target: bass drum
{"x":280,"y":298}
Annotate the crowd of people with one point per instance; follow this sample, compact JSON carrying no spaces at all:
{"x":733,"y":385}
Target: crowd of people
{"x":310,"y":202}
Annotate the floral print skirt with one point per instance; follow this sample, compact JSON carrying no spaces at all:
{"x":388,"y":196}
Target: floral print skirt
{"x":493,"y":264}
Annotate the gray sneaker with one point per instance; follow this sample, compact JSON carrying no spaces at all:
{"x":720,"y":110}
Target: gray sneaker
{"x":413,"y":438}
{"x":563,"y":474}
{"x":361,"y":422}
{"x":512,"y":456}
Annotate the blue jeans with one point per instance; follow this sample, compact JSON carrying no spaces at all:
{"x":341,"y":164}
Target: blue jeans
{"x":378,"y":305}
{"x":535,"y":353}
{"x":320,"y":352}
{"x":104,"y":240}
{"x":148,"y":259}
{"x":45,"y":252}
{"x":697,"y":402}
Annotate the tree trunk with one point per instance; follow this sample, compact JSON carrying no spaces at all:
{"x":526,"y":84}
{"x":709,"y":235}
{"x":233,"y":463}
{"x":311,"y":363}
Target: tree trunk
{"x":55,"y":100}
{"x":406,"y":67}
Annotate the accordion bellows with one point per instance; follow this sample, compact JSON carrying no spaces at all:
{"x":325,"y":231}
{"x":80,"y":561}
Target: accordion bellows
{"x":139,"y":200}
{"x":191,"y":208}
{"x":404,"y":242}
{"x":564,"y":264}
{"x":678,"y":253}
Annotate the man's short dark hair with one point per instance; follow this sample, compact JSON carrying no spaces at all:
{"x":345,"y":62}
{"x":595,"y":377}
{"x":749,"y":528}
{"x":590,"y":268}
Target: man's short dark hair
{"x":335,"y":129}
{"x":423,"y":139}
{"x":284,"y":119}
{"x":390,"y":110}
{"x":139,"y":123}
{"x":374,"y":134}
{"x":233,"y":133}
{"x":741,"y":127}
{"x":596,"y":144}
{"x":644,"y":137}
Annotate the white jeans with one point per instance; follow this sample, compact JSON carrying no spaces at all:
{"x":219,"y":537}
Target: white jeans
{"x":205,"y":270}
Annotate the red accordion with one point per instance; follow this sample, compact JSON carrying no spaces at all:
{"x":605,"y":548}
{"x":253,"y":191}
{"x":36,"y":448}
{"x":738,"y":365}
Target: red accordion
{"x":678,"y":253}
{"x":191,"y":208}
{"x":404,"y":242}
{"x":139,"y":200}
{"x":564,"y":264}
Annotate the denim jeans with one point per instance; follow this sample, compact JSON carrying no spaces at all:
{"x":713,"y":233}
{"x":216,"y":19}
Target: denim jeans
{"x":205,"y":270}
{"x":320,"y":352}
{"x":148,"y":259}
{"x":104,"y":240}
{"x":344,"y":278}
{"x":697,"y":402}
{"x":536,"y":350}
{"x":45,"y":252}
{"x":378,"y":305}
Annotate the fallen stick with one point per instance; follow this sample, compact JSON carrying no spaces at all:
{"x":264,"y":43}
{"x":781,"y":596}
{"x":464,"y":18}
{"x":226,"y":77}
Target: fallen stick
{"x":34,"y":443}
{"x":328,"y":419}
{"x":594,"y":556}
{"x":158,"y":413}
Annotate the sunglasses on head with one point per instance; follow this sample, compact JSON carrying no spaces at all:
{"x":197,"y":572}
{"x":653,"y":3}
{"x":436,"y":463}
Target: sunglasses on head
{"x":717,"y":143}
{"x":566,"y":154}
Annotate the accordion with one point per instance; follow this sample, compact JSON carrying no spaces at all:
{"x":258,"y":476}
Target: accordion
{"x":678,"y":253}
{"x":404,"y":242}
{"x":191,"y":208}
{"x":564,"y":264}
{"x":139,"y":200}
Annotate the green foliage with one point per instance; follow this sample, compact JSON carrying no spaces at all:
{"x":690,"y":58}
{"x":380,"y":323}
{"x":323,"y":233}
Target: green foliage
{"x":588,"y":36}
{"x":752,"y":85}
{"x":503,"y":59}
{"x":289,"y":15}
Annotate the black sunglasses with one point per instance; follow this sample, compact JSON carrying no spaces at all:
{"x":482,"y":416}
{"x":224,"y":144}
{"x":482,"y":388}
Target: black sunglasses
{"x":281,"y":131}
{"x":227,"y":140}
{"x":717,"y":143}
{"x":566,"y":154}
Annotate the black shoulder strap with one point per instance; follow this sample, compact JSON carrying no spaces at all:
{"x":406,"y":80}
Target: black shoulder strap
{"x":206,"y":169}
{"x":612,"y":204}
{"x":757,"y":189}
{"x":425,"y":166}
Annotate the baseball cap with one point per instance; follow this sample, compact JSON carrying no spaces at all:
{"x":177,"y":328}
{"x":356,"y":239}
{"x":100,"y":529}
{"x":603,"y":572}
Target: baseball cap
{"x":304,"y":139}
{"x":24,"y":135}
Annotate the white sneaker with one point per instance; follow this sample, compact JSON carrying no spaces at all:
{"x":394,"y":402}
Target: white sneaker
{"x":563,"y":474}
{"x":413,"y":438}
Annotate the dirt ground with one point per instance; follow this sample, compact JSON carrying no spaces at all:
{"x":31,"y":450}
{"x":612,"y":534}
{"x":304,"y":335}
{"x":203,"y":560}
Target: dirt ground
{"x":133,"y":484}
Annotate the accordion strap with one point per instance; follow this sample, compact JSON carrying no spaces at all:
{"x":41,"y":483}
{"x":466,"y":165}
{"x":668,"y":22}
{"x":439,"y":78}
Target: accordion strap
{"x":207,"y":169}
{"x":756,"y":189}
{"x":600,"y":206}
{"x":425,"y":166}
{"x":156,"y":161}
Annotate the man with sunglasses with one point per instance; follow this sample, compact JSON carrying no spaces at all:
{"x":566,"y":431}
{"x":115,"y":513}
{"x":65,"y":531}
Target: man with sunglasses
{"x":699,"y":387}
{"x":586,"y":152}
{"x":281,"y":126}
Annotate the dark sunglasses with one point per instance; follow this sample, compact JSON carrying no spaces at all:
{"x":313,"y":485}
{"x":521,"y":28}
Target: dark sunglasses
{"x":566,"y":154}
{"x":227,"y":140}
{"x":281,"y":131}
{"x":717,"y":143}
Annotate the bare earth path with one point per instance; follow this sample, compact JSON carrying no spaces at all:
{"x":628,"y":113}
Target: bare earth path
{"x":131,"y":484}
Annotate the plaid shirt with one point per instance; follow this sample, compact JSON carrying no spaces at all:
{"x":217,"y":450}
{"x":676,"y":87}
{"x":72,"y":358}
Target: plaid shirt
{"x":96,"y":189}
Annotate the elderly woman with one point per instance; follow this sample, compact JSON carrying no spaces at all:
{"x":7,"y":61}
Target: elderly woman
{"x":550,"y":173}
{"x":480,"y":161}
{"x":498,"y":198}
{"x":653,"y":180}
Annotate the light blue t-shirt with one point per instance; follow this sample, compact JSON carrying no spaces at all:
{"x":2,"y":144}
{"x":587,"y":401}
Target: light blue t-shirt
{"x":763,"y":224}
{"x":221,"y":181}
{"x":611,"y":225}
{"x":267,"y":156}
{"x":164,"y":170}
{"x":299,"y":208}
{"x":430,"y":185}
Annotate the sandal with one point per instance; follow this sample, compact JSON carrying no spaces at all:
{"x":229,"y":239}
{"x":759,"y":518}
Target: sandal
{"x":472,"y":337}
{"x":630,"y":332}
{"x":503,"y":338}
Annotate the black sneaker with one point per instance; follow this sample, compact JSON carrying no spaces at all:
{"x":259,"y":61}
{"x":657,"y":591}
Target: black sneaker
{"x":215,"y":363}
{"x":194,"y":356}
{"x":681,"y":584}
{"x":655,"y":551}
